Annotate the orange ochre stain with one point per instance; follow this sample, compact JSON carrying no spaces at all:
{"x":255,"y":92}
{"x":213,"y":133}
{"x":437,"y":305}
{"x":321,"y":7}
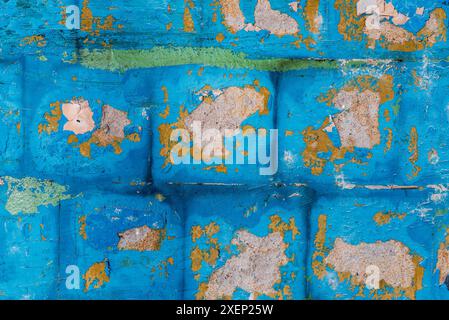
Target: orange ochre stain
{"x":53,"y":117}
{"x":311,"y":15}
{"x":189,"y":25}
{"x":97,"y":275}
{"x":82,"y":231}
{"x":209,"y":255}
{"x":413,"y":149}
{"x":39,"y":40}
{"x":382,"y":218}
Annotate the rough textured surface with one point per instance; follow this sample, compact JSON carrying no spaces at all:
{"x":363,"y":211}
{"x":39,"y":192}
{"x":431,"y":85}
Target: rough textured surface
{"x":255,"y":269}
{"x":391,"y":257}
{"x":141,"y":239}
{"x":227,"y":109}
{"x":27,"y":194}
{"x":358,"y":123}
{"x":89,"y":192}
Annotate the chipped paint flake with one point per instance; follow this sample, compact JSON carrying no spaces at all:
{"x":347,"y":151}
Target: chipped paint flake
{"x":255,"y":269}
{"x":110,"y":133}
{"x":398,"y":267}
{"x":79,"y":116}
{"x":358,"y":123}
{"x":312,"y":16}
{"x":274,"y":21}
{"x":382,"y":23}
{"x":228,"y":110}
{"x":141,"y":239}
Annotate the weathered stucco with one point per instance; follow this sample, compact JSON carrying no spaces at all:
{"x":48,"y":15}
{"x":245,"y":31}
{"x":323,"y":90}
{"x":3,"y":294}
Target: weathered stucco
{"x":255,"y":269}
{"x":350,"y":97}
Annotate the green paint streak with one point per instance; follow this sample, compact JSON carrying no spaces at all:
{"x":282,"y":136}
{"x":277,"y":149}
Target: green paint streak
{"x":123,"y":60}
{"x":27,"y":194}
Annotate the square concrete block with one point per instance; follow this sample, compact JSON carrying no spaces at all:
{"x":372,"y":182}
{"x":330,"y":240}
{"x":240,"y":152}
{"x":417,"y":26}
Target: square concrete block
{"x":376,"y":245}
{"x":126,"y":247}
{"x":337,"y":125}
{"x":245,"y":243}
{"x":81,"y":126}
{"x":193,"y":108}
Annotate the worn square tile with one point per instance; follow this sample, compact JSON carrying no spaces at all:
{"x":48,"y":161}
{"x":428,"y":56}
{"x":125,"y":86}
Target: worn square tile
{"x":245,"y":245}
{"x":81,"y":126}
{"x":193,"y":108}
{"x":126,"y":247}
{"x":372,"y":246}
{"x":339,"y":129}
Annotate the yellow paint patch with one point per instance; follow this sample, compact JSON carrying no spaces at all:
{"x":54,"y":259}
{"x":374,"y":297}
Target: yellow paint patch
{"x":209,"y":255}
{"x":52,"y":119}
{"x":311,"y":15}
{"x":36,"y":39}
{"x":82,"y":223}
{"x":413,"y":149}
{"x":382,"y":218}
{"x":318,"y":264}
{"x":96,"y":275}
{"x":220,"y":37}
{"x":189,"y":25}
